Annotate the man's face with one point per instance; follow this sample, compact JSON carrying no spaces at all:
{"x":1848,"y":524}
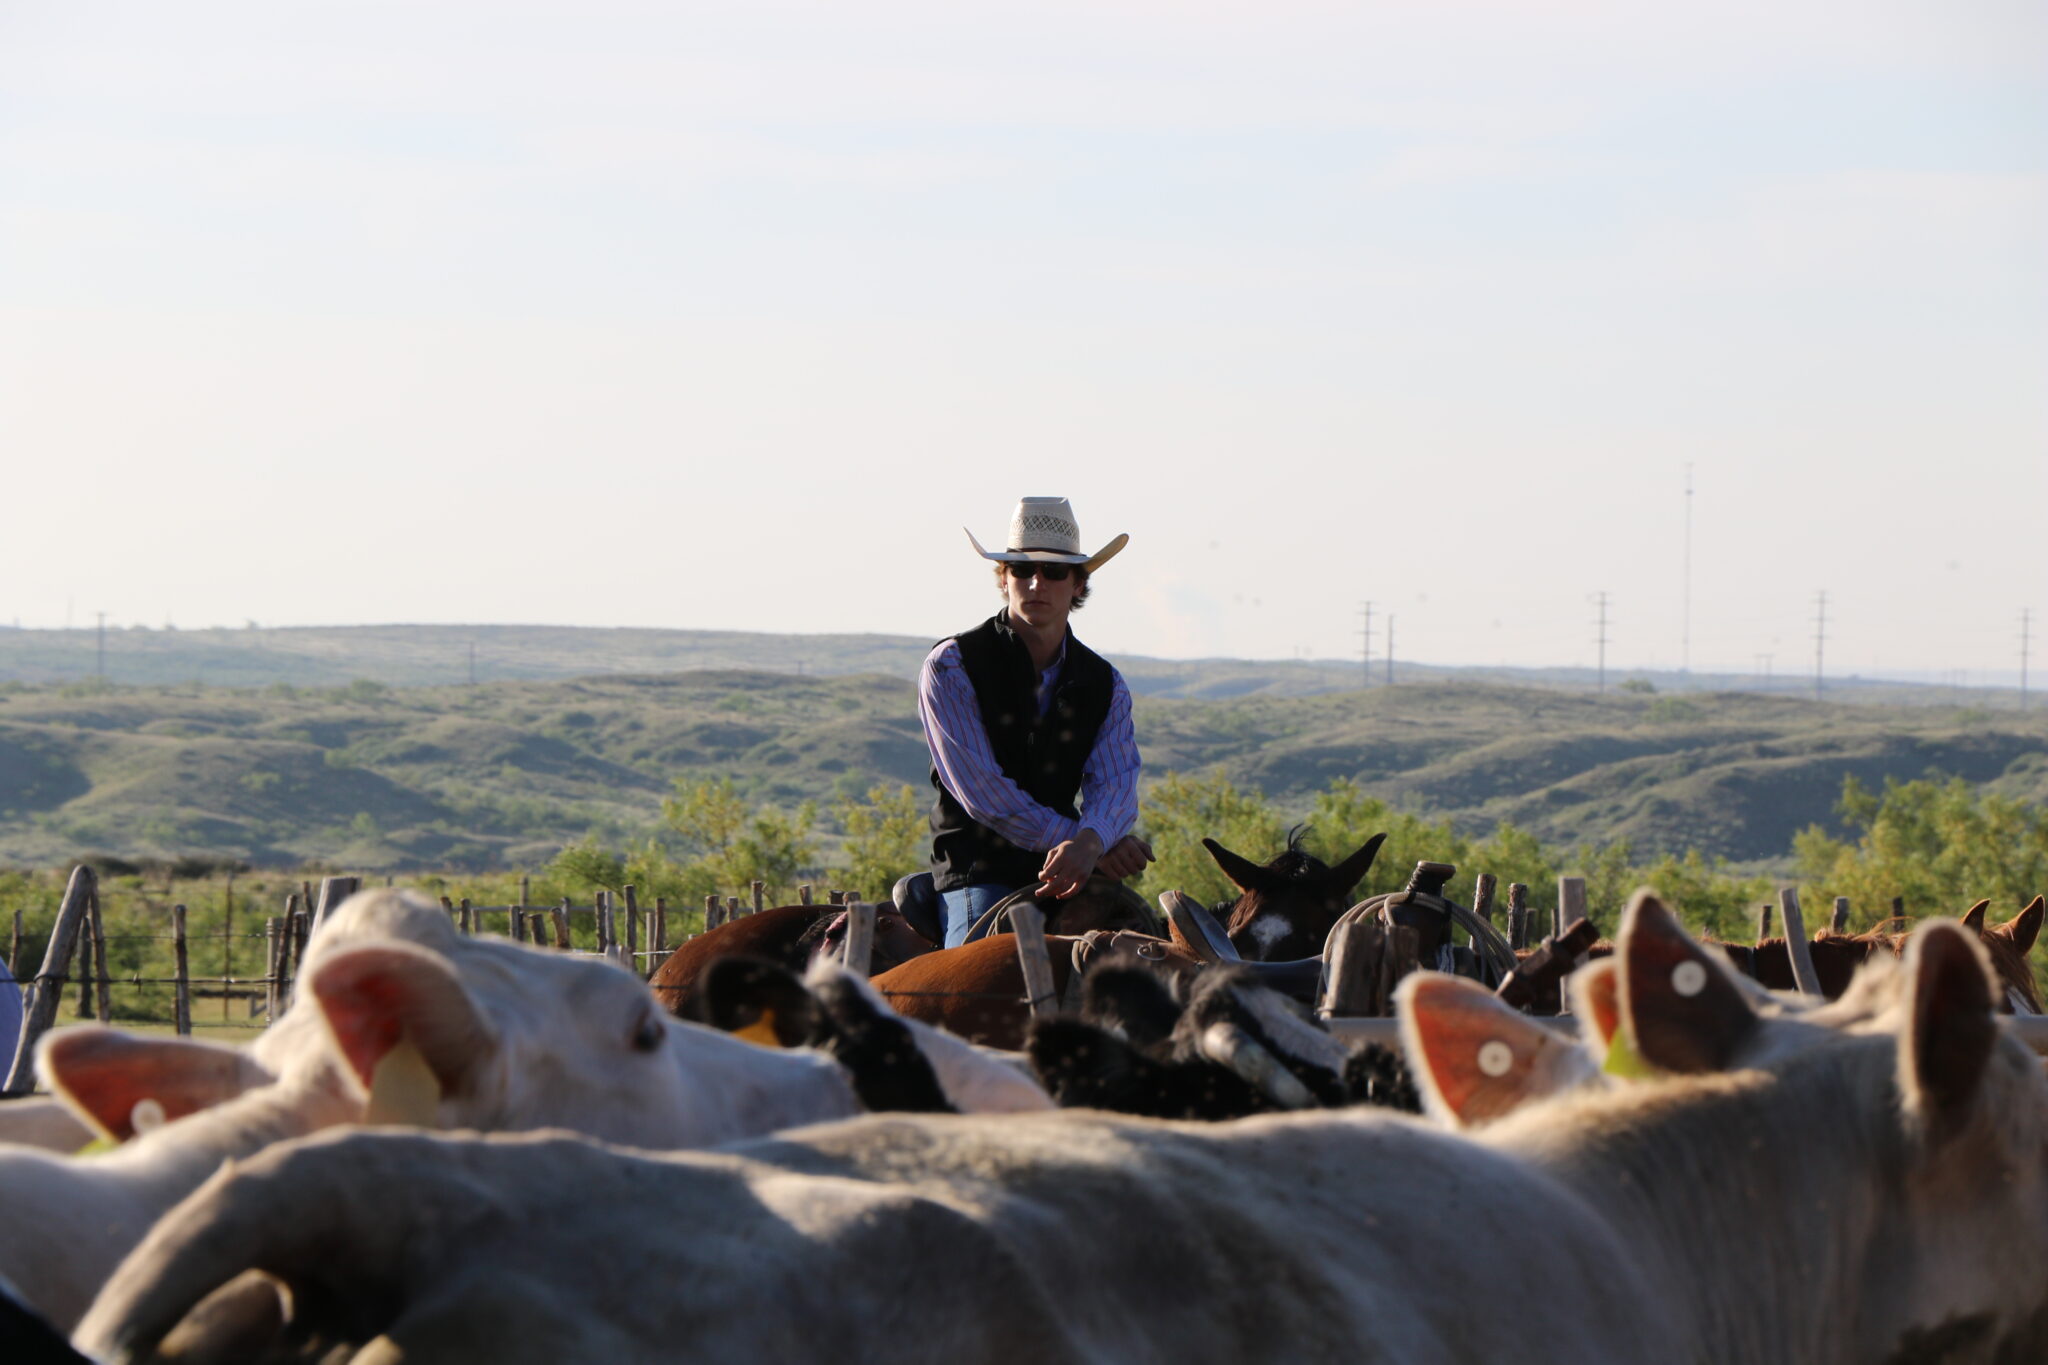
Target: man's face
{"x":1035,"y":599}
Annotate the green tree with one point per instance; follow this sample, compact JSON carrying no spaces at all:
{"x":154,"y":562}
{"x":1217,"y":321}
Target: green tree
{"x":735,"y":844}
{"x":1937,"y":845}
{"x":885,"y":837}
{"x":1180,"y":810}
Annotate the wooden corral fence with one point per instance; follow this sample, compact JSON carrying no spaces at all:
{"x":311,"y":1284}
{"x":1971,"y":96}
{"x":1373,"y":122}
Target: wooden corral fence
{"x":635,"y":937}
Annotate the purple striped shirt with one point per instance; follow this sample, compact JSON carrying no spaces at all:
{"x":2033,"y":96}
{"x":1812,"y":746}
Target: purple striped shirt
{"x":967,"y":764}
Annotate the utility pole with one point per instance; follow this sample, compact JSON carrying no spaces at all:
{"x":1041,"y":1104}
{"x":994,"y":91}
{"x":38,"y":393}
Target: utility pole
{"x":1365,"y":634}
{"x":1820,"y":636}
{"x":1390,"y":649}
{"x":100,"y":658}
{"x":2026,"y":648}
{"x":1685,"y":609}
{"x":472,"y":663}
{"x":1600,"y":637}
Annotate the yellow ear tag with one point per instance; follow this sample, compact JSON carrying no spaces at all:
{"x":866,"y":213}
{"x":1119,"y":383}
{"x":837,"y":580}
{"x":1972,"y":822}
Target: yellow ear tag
{"x":97,"y":1147}
{"x":403,"y":1089}
{"x":1623,"y":1059}
{"x":761,"y":1031}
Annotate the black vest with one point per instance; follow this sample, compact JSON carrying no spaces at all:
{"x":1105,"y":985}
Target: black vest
{"x":1044,"y":755}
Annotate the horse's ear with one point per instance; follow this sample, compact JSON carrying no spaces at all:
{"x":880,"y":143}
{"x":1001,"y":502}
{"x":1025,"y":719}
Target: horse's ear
{"x":1244,"y":874}
{"x":1949,"y":1036}
{"x":1681,"y":1007}
{"x":2025,"y":927}
{"x":761,"y":1001}
{"x":1475,"y":1059}
{"x":1973,"y":918}
{"x":1349,"y":873}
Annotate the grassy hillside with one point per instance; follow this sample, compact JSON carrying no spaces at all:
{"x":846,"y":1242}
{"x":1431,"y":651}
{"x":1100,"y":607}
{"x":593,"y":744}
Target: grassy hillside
{"x":501,"y":774}
{"x":446,"y":655}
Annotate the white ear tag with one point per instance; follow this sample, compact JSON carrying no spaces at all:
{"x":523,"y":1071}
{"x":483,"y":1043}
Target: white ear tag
{"x":1688,"y":979}
{"x":1496,"y":1058}
{"x":403,"y":1089}
{"x":147,"y":1116}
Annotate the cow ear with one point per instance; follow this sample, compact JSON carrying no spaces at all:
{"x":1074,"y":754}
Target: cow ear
{"x":1244,"y":874}
{"x":1345,"y":876}
{"x":1474,"y":1058}
{"x":376,"y":996}
{"x":1950,"y":1030}
{"x":124,"y":1084}
{"x":1680,"y":1006}
{"x":2025,"y":927}
{"x":1973,"y":918}
{"x":761,"y":1001}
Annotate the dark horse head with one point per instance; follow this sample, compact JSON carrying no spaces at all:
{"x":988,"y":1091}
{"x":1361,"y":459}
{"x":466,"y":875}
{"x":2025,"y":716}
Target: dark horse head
{"x":1285,"y":909}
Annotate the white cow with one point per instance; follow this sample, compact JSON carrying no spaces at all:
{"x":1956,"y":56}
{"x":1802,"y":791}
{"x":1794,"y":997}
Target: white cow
{"x":400,"y":1019}
{"x":1876,"y":1191}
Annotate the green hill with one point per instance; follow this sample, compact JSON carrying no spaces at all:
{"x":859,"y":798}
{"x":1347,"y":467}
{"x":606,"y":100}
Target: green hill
{"x":503,"y":773}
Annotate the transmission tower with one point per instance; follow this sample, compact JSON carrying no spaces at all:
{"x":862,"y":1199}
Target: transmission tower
{"x":2026,"y":649}
{"x":1820,"y":636}
{"x":1365,"y":653}
{"x":1390,"y":649}
{"x":1600,"y":637}
{"x":1685,"y":609}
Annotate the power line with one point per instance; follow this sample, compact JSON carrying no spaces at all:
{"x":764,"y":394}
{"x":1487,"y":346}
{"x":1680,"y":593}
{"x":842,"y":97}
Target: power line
{"x":1820,"y":635}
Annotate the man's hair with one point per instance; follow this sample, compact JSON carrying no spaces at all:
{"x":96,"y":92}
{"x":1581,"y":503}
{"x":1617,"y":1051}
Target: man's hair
{"x":1080,"y":593}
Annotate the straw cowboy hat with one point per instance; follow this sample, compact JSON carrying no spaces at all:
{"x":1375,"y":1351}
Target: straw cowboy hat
{"x":1043,"y":531}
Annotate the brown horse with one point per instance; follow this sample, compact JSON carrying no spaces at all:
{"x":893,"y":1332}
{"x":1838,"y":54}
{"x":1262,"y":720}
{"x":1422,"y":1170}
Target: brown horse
{"x":1286,"y":909}
{"x":1837,"y":956}
{"x":977,"y":989}
{"x":789,"y":935}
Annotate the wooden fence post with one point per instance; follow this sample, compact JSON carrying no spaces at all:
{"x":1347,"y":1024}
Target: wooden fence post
{"x":181,"y":998}
{"x":860,"y":937}
{"x":713,"y":912}
{"x":273,"y":1000}
{"x":633,"y":931}
{"x":561,"y":918}
{"x":518,"y":925}
{"x":803,"y":894}
{"x":1898,"y":907}
{"x":1352,"y":971}
{"x":1482,"y":896}
{"x":760,"y":904}
{"x":46,"y":992}
{"x":468,"y":917}
{"x":92,"y":959}
{"x":607,"y":926}
{"x":732,"y":908}
{"x":661,"y":925}
{"x":1795,"y":942}
{"x":525,"y":890}
{"x":298,"y":928}
{"x":333,"y":891}
{"x":1840,"y":924}
{"x":1763,"y":921}
{"x":104,"y":983}
{"x":1027,"y":921}
{"x":1518,"y":916}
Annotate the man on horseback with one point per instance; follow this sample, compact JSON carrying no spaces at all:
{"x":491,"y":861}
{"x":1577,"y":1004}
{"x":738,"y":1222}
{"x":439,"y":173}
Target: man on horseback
{"x":1021,"y":719}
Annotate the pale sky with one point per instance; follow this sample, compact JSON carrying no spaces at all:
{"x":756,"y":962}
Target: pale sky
{"x":730,"y":315}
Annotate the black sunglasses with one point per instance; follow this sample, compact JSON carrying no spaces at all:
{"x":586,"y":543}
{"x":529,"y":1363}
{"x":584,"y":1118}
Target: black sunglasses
{"x":1051,"y":573}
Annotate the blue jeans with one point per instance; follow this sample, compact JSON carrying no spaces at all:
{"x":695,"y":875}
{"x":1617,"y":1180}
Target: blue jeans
{"x":968,"y":904}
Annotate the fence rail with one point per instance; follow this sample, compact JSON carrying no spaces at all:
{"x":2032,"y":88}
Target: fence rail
{"x":638,"y":938}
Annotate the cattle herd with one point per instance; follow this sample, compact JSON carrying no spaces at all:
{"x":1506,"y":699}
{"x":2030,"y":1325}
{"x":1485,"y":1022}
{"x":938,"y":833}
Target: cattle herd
{"x":461,"y":1148}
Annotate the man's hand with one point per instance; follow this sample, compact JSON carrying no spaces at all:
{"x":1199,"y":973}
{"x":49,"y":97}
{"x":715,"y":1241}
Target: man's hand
{"x":1126,"y":858}
{"x":1067,"y":865}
